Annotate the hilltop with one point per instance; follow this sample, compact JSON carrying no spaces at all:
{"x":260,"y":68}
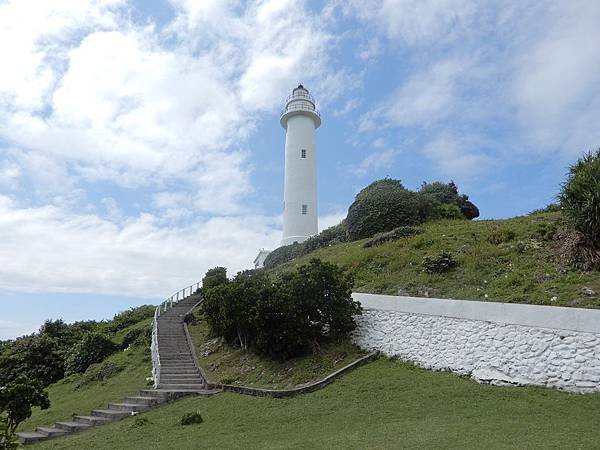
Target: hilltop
{"x":515,"y":260}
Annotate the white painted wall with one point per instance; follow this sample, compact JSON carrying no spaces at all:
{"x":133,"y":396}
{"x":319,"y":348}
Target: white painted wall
{"x":491,"y":342}
{"x":300,"y":186}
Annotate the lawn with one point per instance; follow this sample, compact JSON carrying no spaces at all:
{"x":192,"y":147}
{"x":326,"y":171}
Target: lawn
{"x":386,"y":404}
{"x":514,"y":260}
{"x":230,"y":365}
{"x":67,"y":398}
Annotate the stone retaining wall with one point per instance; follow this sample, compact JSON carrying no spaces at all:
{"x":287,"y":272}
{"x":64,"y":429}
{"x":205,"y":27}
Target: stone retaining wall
{"x":491,"y":342}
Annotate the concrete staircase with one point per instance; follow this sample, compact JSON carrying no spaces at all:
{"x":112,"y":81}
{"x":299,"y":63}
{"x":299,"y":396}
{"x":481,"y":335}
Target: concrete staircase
{"x":178,"y":369}
{"x":179,"y":376}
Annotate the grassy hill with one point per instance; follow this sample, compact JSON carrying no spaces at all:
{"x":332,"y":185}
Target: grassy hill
{"x":515,"y":260}
{"x":381,"y":405}
{"x":121,"y":374}
{"x":230,"y":365}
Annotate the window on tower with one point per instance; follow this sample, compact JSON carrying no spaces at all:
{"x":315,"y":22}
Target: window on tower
{"x":304,"y":209}
{"x":303,"y":153}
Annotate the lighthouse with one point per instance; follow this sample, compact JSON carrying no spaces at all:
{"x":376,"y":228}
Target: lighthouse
{"x":300,"y":118}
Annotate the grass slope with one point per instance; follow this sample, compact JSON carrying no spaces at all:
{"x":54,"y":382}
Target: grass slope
{"x":67,"y":398}
{"x":512,"y":260}
{"x":226,"y":364}
{"x":386,"y":404}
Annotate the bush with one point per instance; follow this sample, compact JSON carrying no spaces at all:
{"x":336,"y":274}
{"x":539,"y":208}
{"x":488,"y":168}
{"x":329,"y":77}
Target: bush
{"x":37,"y":357}
{"x":191,"y":418}
{"x":330,"y":236}
{"x":551,"y":207}
{"x":92,"y":348}
{"x":446,"y":211}
{"x":138,"y":337}
{"x":382,"y":206}
{"x":501,"y":236}
{"x":215,"y":277}
{"x":282,"y":255}
{"x":447,"y":194}
{"x":130,"y":317}
{"x":580,"y":197}
{"x":443,"y":262}
{"x":284,"y":318}
{"x":98,"y":372}
{"x":394,"y":235}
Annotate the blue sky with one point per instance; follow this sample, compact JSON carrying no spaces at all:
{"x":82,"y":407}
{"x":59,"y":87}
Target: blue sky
{"x":140,"y":142}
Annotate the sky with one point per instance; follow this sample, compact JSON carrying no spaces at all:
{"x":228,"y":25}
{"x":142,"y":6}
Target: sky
{"x":140,"y":142}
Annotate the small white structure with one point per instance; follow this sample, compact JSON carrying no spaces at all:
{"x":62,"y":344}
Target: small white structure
{"x":259,"y":261}
{"x":300,"y":118}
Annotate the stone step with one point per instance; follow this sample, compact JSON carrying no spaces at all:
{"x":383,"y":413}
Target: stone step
{"x":91,"y":420}
{"x":137,"y":407}
{"x":111,"y":414}
{"x":168,"y":381}
{"x":72,"y":426}
{"x":150,"y":401}
{"x":51,"y":431}
{"x":182,"y":387}
{"x":30,"y":437}
{"x":173,"y":375}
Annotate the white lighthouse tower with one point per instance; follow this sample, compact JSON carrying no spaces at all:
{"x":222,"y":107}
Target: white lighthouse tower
{"x":300,"y":118}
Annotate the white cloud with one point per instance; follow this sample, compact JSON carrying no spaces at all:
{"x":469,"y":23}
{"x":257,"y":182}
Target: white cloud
{"x":101,"y":99}
{"x":374,"y":162}
{"x":10,"y":329}
{"x":458,"y":158}
{"x":556,"y":79}
{"x":429,"y":96}
{"x":48,"y":249}
{"x":329,"y":220}
{"x":414,"y":21}
{"x":9,"y":174}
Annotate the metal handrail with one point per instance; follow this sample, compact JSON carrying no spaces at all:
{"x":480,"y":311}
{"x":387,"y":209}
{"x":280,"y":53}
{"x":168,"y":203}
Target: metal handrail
{"x":299,"y":96}
{"x":163,"y":307}
{"x":300,"y":107}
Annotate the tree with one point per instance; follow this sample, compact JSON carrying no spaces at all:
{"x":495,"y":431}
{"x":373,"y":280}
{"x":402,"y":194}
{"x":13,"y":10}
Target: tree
{"x":16,"y":400}
{"x":92,"y":348}
{"x":580,"y":197}
{"x":382,"y":206}
{"x":216,"y":276}
{"x":447,"y":194}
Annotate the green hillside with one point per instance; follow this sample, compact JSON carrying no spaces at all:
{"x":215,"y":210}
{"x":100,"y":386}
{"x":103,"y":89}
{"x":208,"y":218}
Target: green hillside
{"x":514,"y":260}
{"x":385,"y":404}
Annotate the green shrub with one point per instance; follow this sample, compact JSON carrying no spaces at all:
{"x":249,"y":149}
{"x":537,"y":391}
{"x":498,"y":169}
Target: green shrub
{"x":447,"y":211}
{"x":286,"y":317}
{"x":98,"y":372}
{"x":138,"y":337}
{"x":382,"y":206}
{"x":140,"y":422}
{"x":501,"y":236}
{"x":442,"y":262}
{"x":191,"y":418}
{"x":551,"y":207}
{"x":447,"y":194}
{"x":394,"y":235}
{"x":215,"y":277}
{"x":580,"y":197}
{"x":282,"y":255}
{"x":330,"y":236}
{"x":130,"y":317}
{"x":92,"y":348}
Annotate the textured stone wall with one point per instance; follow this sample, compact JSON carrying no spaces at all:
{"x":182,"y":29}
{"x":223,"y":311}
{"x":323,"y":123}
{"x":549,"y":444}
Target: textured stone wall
{"x":492,"y":352}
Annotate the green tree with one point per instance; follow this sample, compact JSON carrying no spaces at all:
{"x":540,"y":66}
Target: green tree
{"x":382,"y":206}
{"x":16,"y":400}
{"x":216,"y":276}
{"x":580,"y":197}
{"x":92,"y":348}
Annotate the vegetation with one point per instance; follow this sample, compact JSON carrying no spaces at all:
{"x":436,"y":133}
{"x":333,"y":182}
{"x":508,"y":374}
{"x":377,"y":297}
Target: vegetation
{"x":384,"y":402}
{"x":326,"y":238}
{"x":439,"y":263}
{"x":285,"y":317}
{"x":517,"y":260}
{"x":16,"y":401}
{"x":92,"y":348}
{"x":192,"y":418}
{"x":580,"y":201}
{"x":95,"y":388}
{"x":394,"y":235}
{"x":229,"y":364}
